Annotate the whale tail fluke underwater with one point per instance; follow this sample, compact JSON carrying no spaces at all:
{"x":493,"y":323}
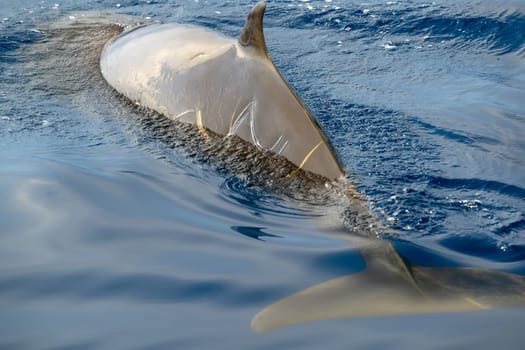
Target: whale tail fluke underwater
{"x":388,"y":286}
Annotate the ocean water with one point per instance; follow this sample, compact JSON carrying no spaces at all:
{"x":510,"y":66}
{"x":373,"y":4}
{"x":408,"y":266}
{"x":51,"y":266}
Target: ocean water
{"x":118,"y":232}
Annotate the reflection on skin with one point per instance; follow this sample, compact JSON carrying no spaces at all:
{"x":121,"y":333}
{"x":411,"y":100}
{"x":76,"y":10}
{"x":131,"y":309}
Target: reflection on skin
{"x":389,"y":286}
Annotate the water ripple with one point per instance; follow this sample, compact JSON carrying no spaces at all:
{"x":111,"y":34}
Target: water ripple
{"x":478,"y":184}
{"x":238,"y":191}
{"x":143,"y":287}
{"x":498,"y":31}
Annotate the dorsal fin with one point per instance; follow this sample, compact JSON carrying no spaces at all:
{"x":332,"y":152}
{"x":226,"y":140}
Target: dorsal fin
{"x":252,"y":34}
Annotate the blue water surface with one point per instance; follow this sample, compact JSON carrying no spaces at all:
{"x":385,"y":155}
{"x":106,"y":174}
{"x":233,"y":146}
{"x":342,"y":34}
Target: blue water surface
{"x":113,"y":238}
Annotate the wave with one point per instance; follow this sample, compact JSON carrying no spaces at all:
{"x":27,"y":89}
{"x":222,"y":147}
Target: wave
{"x":500,"y":31}
{"x":500,"y":35}
{"x":144,"y":287}
{"x":478,"y":184}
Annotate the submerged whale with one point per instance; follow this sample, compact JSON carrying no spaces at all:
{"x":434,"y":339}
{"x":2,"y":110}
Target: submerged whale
{"x":230,"y":87}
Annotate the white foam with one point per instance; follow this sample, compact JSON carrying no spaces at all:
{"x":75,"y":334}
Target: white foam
{"x":389,"y":46}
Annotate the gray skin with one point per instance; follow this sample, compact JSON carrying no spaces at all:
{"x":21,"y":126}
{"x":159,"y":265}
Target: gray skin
{"x":231,"y":87}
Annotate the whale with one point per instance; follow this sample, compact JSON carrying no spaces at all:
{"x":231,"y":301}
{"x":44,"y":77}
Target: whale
{"x":222,"y":85}
{"x":231,"y":88}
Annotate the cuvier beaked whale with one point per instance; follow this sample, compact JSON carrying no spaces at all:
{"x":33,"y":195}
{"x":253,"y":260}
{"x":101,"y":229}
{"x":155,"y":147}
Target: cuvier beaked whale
{"x":231,"y":87}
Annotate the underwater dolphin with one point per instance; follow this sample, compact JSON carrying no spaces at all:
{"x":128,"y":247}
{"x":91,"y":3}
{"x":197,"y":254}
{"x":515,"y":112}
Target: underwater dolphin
{"x":230,"y":87}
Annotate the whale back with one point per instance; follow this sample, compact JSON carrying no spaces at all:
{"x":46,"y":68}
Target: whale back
{"x":194,"y":75}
